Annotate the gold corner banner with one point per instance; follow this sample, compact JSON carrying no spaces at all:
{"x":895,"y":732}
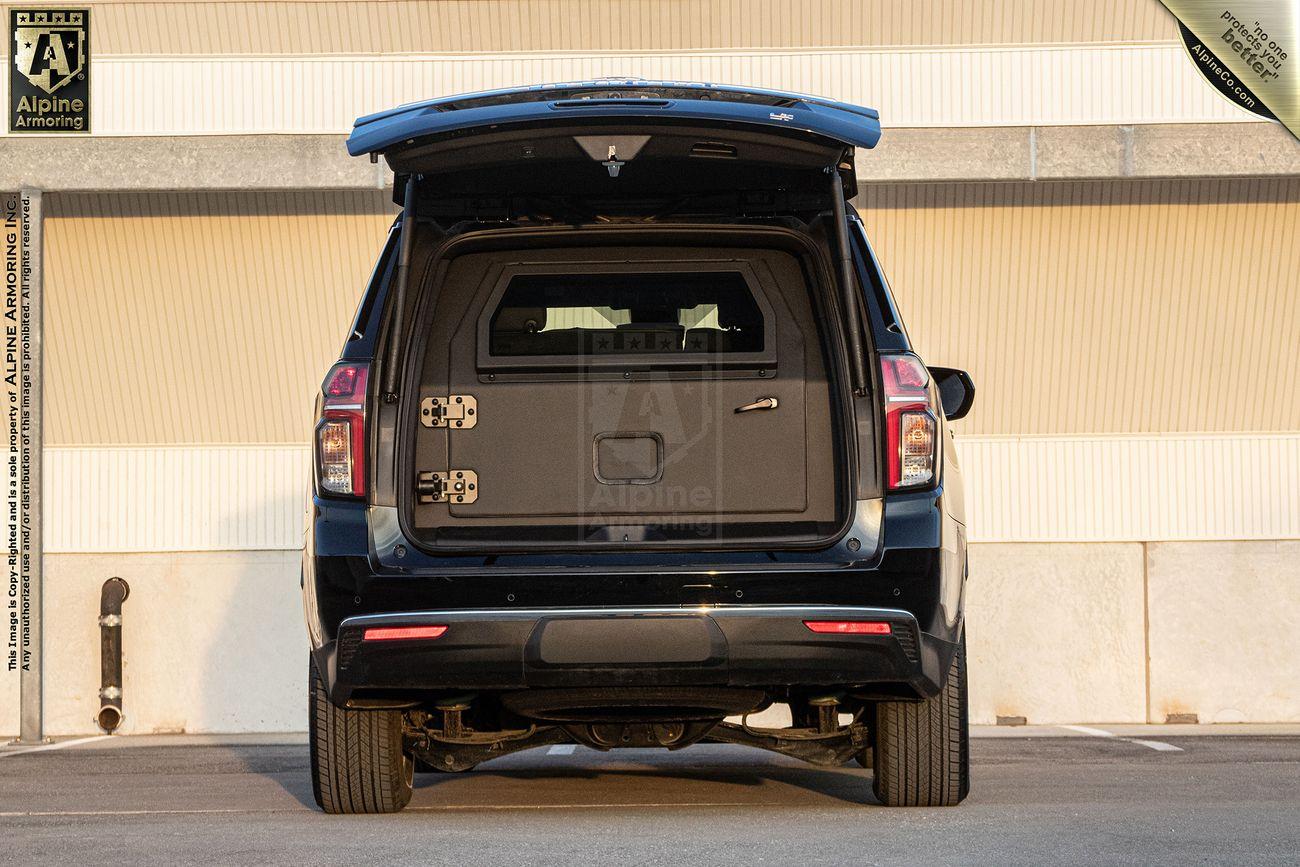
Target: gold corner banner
{"x":1247,"y":49}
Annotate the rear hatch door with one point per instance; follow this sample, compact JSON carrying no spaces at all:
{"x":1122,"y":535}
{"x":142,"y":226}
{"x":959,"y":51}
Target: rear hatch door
{"x":632,"y":142}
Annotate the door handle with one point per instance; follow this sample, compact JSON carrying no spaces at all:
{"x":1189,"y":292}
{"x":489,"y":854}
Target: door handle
{"x":761,"y":403}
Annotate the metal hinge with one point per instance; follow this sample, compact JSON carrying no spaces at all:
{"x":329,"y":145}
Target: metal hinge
{"x":454,"y":410}
{"x":453,"y":486}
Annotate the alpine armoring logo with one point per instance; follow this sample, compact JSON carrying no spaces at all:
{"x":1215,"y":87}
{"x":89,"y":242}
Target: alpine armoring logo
{"x":49,"y":72}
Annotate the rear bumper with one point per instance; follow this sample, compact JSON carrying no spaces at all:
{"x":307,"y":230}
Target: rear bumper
{"x":740,"y":645}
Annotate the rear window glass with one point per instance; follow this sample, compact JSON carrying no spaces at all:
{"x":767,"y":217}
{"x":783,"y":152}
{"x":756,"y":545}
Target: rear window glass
{"x":627,"y":314}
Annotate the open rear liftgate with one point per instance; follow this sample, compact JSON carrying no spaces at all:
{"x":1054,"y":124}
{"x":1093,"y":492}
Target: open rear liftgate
{"x":613,"y":457}
{"x":442,"y":738}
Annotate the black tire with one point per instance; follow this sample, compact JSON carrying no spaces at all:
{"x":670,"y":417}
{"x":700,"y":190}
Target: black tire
{"x":922,"y":748}
{"x":357,"y":761}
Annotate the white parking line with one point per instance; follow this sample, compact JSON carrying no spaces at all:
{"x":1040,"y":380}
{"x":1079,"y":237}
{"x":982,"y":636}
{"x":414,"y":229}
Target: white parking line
{"x":1156,"y":745}
{"x":1159,"y":746}
{"x":56,"y":746}
{"x":562,"y":750}
{"x":1096,"y":733}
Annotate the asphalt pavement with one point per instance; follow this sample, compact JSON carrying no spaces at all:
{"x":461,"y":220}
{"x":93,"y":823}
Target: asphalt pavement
{"x":1043,"y":796}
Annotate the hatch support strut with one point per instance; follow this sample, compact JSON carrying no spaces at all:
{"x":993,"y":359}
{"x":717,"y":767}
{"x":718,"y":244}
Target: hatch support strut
{"x":389,"y":389}
{"x":848,"y":292}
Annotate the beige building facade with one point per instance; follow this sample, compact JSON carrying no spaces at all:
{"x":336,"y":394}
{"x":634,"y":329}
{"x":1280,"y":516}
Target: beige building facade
{"x":1063,"y":207}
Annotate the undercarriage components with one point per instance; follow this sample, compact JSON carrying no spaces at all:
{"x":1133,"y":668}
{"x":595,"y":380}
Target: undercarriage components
{"x":471,"y":748}
{"x":453,"y":726}
{"x":455,"y":746}
{"x":830,"y":750}
{"x":827,"y":708}
{"x":669,"y":735}
{"x":644,"y":704}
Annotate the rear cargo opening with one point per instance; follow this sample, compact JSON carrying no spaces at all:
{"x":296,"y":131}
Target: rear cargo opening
{"x":628,"y":388}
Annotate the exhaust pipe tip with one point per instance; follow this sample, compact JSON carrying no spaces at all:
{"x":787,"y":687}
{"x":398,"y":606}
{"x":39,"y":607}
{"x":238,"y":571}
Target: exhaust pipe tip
{"x":109,"y":718}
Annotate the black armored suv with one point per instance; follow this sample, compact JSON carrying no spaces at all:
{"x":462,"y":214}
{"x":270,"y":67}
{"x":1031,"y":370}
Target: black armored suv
{"x":626,"y":444}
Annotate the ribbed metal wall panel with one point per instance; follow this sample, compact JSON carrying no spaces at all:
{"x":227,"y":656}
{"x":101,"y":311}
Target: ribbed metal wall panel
{"x":1115,"y":489}
{"x":1080,"y":308}
{"x":1049,"y":489}
{"x":199,"y":317}
{"x":611,"y":25}
{"x":1070,"y":85}
{"x":1103,"y":307}
{"x":175,"y":499}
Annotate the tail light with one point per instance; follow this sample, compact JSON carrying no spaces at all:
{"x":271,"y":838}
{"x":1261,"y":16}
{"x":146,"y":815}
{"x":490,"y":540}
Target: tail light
{"x":341,"y":431}
{"x":403,"y":633}
{"x":849,"y":627}
{"x":911,"y":429}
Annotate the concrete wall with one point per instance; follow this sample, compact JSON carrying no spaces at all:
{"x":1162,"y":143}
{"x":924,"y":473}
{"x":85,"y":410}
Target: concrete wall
{"x":1225,"y":630}
{"x":1134,"y":632}
{"x":211,"y":642}
{"x":1058,"y":633}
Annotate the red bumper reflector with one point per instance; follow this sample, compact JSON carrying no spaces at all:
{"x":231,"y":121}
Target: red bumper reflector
{"x":849,"y":627}
{"x":401,"y":633}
